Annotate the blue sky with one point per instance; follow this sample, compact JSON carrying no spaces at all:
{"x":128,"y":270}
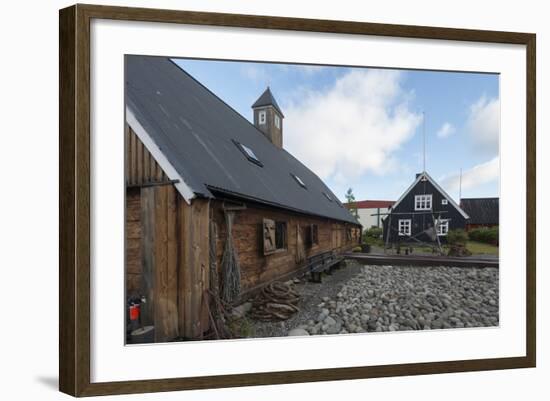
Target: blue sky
{"x":363,"y":127}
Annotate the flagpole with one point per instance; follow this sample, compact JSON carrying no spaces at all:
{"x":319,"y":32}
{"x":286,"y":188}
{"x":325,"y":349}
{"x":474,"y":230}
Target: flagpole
{"x":423,"y":141}
{"x":460,"y":187}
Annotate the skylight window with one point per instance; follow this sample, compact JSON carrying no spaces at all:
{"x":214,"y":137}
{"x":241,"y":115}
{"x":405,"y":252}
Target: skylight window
{"x":249,"y":153}
{"x":327,"y":196}
{"x":299,"y":180}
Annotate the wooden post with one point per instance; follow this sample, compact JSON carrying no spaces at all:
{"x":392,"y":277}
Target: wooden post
{"x":388,"y":234}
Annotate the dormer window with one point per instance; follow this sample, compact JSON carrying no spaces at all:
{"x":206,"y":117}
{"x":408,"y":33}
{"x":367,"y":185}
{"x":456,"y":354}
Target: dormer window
{"x":249,"y":153}
{"x":277,"y":121}
{"x":262,"y":117}
{"x":298,"y":180}
{"x":423,"y":202}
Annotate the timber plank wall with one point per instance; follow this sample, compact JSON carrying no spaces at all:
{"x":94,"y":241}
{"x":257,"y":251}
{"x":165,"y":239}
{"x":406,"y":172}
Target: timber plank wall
{"x":258,"y":269}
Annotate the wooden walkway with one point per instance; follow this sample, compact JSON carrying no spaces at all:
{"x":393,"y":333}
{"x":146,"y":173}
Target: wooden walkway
{"x":415,"y":260}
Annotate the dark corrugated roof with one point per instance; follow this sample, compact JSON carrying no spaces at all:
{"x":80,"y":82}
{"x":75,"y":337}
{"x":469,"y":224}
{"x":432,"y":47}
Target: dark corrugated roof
{"x":481,"y":210}
{"x":195,"y":131}
{"x":267,"y":99}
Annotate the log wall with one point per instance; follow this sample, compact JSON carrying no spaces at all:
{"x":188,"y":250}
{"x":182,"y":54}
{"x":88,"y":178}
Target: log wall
{"x":258,"y":269}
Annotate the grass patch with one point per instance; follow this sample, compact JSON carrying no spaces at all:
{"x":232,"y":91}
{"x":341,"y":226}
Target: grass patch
{"x":479,"y":248}
{"x":241,"y":328}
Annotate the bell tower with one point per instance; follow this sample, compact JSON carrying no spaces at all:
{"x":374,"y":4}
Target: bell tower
{"x":268,"y":118}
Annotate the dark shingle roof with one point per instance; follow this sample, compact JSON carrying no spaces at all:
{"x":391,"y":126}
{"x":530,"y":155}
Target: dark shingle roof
{"x":195,"y":130}
{"x":267,"y":99}
{"x":481,"y":210}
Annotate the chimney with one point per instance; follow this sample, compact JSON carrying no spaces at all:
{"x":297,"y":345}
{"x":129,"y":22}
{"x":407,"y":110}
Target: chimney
{"x":268,"y":118}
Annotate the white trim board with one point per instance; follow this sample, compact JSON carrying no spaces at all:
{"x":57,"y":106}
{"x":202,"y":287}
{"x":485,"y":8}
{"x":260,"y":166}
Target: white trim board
{"x":160,"y":158}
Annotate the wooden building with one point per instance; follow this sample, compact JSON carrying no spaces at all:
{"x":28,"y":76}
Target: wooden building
{"x":483,"y":212}
{"x":215,"y":206}
{"x":425,"y":212}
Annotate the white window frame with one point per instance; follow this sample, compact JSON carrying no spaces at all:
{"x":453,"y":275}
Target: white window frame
{"x":277,"y":121}
{"x":406,"y":223}
{"x":423,"y":202}
{"x":444,"y":202}
{"x":442,"y":227}
{"x":262,"y":117}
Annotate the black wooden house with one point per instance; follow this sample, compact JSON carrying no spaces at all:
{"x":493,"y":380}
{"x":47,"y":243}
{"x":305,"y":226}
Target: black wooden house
{"x":425,"y":212}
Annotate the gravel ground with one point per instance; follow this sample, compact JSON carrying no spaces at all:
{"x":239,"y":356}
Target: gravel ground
{"x":311,"y":295}
{"x":357,"y":299}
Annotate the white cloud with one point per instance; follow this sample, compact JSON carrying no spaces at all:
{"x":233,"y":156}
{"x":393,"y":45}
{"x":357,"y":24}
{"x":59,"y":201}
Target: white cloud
{"x":478,"y":175}
{"x":255,"y":73}
{"x":353,"y":127}
{"x":446,"y":130}
{"x":483,"y":124}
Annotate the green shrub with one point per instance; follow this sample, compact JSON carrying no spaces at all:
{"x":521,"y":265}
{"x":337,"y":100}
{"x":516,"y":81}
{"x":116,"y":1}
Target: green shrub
{"x":373,"y":236}
{"x":484,"y":234}
{"x":374,"y":232}
{"x":456,"y":237}
{"x":357,"y":249}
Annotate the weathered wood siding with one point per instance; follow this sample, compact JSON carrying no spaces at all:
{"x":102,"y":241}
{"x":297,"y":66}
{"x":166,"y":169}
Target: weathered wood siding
{"x":159,"y":260}
{"x":257,"y":268}
{"x":193,"y":266}
{"x":133,"y":243}
{"x":167,"y":248}
{"x":141,"y":168}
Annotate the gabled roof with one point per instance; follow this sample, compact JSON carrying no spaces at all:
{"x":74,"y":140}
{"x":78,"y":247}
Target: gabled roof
{"x":267,"y":99}
{"x":371,"y":204}
{"x":481,"y":210}
{"x":436,"y":185}
{"x":196,"y":132}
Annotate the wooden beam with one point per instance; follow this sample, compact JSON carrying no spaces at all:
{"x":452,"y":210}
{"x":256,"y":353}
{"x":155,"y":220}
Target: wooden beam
{"x":184,"y":270}
{"x":153,"y":184}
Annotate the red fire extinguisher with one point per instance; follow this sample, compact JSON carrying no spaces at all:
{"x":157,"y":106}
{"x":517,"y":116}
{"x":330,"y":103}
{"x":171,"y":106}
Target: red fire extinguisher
{"x":134,"y":312}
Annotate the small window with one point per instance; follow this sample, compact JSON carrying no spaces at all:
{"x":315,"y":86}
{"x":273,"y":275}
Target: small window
{"x":298,"y":180}
{"x":442,"y":227}
{"x":404,"y":227}
{"x":423,"y":202}
{"x":262,"y":117}
{"x":444,"y":201}
{"x":274,"y":236}
{"x":277,"y":121}
{"x":327,"y":196}
{"x":249,"y":153}
{"x":313,"y":235}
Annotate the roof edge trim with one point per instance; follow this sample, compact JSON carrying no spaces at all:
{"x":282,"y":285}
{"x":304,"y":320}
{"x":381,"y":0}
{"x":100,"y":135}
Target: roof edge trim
{"x":277,"y":205}
{"x":185,"y":190}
